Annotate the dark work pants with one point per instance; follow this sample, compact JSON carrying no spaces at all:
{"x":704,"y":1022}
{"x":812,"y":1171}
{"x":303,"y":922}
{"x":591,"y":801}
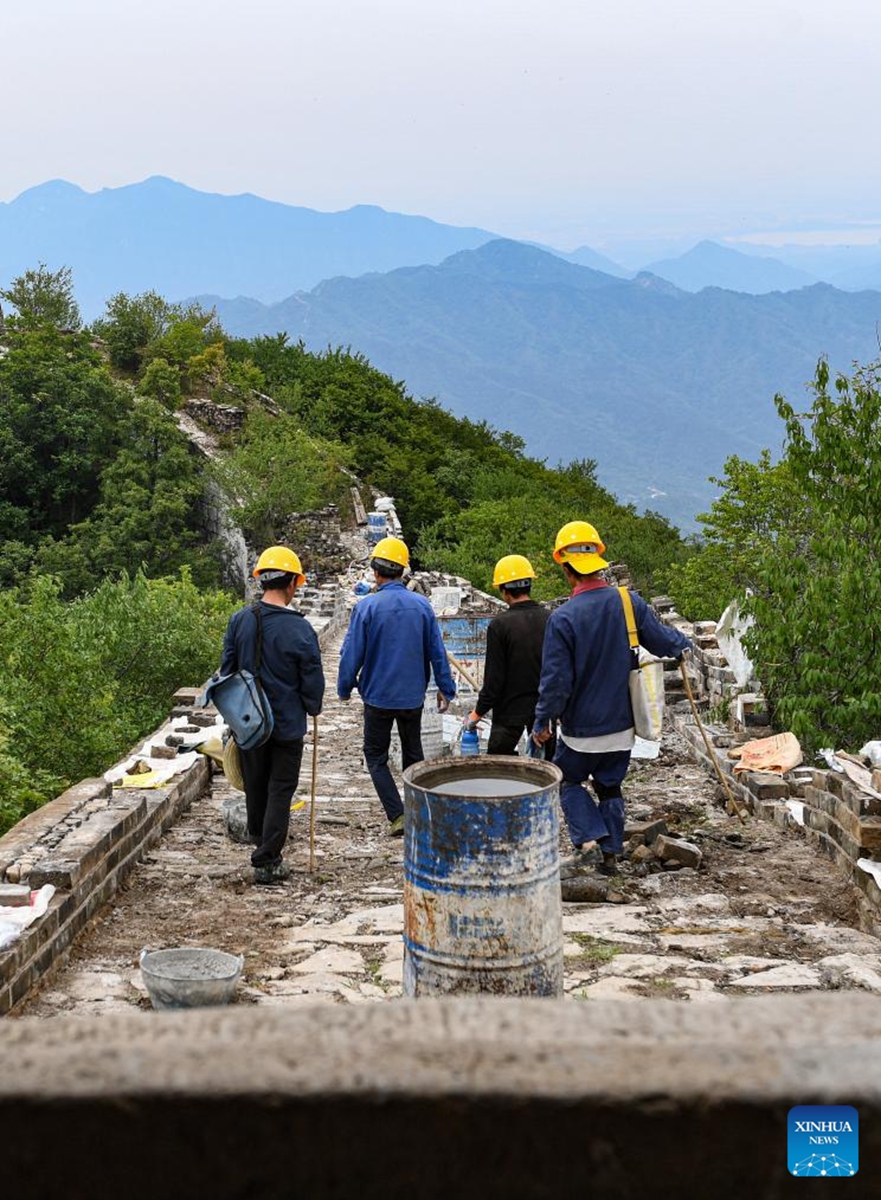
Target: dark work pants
{"x":588,"y":821}
{"x":503,"y":739}
{"x":271,"y":774}
{"x":377,"y":739}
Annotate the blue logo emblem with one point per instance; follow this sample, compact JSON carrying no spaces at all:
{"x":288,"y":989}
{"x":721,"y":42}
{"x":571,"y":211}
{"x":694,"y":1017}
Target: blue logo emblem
{"x":823,"y":1139}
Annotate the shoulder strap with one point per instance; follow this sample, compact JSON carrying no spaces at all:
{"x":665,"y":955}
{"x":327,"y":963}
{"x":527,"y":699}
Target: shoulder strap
{"x":629,"y":617}
{"x":258,"y":659}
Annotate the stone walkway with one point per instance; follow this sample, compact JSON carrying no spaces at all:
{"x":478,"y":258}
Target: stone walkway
{"x":764,"y":913}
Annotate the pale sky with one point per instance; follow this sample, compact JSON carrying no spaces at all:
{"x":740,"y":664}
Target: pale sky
{"x":568,"y":121}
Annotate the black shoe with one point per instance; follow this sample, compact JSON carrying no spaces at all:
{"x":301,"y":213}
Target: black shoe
{"x":271,"y":873}
{"x":609,"y":865}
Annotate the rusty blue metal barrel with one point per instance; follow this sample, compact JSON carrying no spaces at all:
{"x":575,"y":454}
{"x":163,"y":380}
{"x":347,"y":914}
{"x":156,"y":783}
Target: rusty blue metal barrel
{"x":482,"y":907}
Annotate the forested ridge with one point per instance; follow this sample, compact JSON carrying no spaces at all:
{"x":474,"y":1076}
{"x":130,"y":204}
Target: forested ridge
{"x":110,"y":593}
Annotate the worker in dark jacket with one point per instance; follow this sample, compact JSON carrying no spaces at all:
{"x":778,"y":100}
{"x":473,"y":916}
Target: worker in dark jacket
{"x":391,"y":647}
{"x":585,"y":676}
{"x":513,"y":658}
{"x":293,"y":682}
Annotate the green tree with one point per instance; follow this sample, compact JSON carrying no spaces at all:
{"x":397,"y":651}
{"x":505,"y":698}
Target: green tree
{"x":150,"y":494}
{"x":132,"y":323}
{"x":277,"y":469}
{"x":758,"y":504}
{"x":44,"y":297}
{"x":816,"y":639}
{"x":60,"y":418}
{"x":161,"y":381}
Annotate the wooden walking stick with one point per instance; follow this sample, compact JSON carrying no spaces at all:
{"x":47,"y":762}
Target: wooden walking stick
{"x":709,"y":745}
{"x":314,"y":785}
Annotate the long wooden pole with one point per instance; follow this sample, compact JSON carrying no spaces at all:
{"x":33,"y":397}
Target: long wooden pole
{"x":314,"y":788}
{"x":711,"y":750}
{"x":463,"y":671}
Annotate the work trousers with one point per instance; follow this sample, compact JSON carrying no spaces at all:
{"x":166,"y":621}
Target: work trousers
{"x":271,"y":774}
{"x":600,"y":821}
{"x":378,"y":724}
{"x":503,"y":739}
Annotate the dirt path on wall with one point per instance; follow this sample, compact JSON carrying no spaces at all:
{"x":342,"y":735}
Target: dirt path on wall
{"x":764,"y":912}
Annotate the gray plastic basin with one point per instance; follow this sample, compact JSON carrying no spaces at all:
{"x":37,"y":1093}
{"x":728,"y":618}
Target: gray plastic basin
{"x":190,"y":977}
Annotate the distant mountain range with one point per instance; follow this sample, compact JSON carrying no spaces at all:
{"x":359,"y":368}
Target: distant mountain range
{"x":708,"y":264}
{"x":658,"y":376}
{"x":163,"y":236}
{"x":750,"y":268}
{"x":657,"y":384}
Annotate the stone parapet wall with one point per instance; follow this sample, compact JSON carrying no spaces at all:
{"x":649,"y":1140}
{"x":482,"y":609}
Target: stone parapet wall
{"x":490,"y":1098}
{"x":84,"y":842}
{"x":840,"y":819}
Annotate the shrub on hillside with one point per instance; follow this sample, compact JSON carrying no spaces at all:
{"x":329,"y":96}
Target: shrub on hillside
{"x":118,"y":654}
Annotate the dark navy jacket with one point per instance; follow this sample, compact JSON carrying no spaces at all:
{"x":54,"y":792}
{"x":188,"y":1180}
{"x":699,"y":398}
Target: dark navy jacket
{"x":392,"y":642}
{"x":586,"y":661}
{"x":291,"y":671}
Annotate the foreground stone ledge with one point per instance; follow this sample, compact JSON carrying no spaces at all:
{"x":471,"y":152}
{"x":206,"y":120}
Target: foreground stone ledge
{"x":467,"y":1098}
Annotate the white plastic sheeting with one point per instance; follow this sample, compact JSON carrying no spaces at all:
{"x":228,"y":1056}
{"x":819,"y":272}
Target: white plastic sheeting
{"x":14,"y":921}
{"x":729,"y":635}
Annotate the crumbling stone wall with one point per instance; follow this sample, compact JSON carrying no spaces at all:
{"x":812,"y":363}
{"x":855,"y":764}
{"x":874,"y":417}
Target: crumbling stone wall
{"x":840,"y":819}
{"x":222,"y":418}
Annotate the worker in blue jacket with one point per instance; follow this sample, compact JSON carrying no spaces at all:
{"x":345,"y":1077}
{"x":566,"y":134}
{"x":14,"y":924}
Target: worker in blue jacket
{"x":392,"y":645}
{"x":292,"y":678}
{"x":586,"y":664}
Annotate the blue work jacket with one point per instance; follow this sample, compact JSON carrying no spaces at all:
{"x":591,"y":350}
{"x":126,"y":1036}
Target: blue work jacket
{"x":290,"y":672}
{"x":392,"y":643}
{"x":586,"y":662}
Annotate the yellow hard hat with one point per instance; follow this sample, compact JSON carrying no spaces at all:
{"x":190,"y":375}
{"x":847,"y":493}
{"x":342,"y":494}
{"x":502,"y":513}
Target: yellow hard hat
{"x":280,"y":559}
{"x":512,"y":569}
{"x":393,"y":550}
{"x":579,"y":544}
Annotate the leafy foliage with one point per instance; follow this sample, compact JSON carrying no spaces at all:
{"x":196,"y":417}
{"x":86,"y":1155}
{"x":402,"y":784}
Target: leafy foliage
{"x":467,"y":493}
{"x":60,"y":418}
{"x":275,"y":469}
{"x":817,"y":639}
{"x":132,"y":323}
{"x":118,"y":654}
{"x":93,"y":480}
{"x":804,"y":537}
{"x":44,"y":297}
{"x":759,"y":503}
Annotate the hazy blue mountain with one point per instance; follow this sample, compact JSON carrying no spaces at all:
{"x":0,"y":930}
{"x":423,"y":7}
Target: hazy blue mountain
{"x":851,"y":268}
{"x":585,"y":256}
{"x":708,"y":264}
{"x":865,"y":275}
{"x":659,"y":385}
{"x":162,"y":235}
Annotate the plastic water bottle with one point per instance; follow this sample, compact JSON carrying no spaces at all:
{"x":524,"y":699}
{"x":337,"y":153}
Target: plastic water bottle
{"x":470,"y":742}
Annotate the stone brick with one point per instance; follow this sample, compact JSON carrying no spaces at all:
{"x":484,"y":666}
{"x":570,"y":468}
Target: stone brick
{"x":765,"y":786}
{"x":187,"y":696}
{"x":870,"y":833}
{"x":647,"y":831}
{"x":203,"y":717}
{"x":159,"y":750}
{"x":670,"y":849}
